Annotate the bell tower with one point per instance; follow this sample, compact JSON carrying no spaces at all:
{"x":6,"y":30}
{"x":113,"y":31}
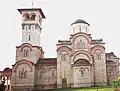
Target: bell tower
{"x":30,"y":49}
{"x":31,"y":25}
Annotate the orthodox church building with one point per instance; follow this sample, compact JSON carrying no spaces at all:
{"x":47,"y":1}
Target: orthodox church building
{"x":81,"y":61}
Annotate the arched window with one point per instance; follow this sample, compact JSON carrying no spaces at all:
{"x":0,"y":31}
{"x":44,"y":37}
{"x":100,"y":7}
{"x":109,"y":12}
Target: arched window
{"x":80,"y":44}
{"x":29,"y":37}
{"x":26,"y":53}
{"x":98,"y":56}
{"x":22,"y":74}
{"x":27,"y":17}
{"x":25,"y":74}
{"x":33,"y":17}
{"x":63,"y":57}
{"x":53,"y":73}
{"x":82,"y":73}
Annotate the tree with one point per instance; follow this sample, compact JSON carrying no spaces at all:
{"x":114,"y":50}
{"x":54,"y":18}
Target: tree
{"x":2,"y":85}
{"x":116,"y":84}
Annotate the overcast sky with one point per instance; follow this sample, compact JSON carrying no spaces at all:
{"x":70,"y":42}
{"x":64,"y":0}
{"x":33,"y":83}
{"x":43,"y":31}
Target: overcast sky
{"x":103,"y":16}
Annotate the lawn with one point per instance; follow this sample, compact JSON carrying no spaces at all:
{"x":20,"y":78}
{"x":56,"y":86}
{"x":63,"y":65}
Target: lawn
{"x":84,"y":89}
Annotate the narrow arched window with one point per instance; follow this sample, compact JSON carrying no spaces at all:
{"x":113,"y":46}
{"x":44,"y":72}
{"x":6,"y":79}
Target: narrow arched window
{"x":63,"y":57}
{"x":80,"y":44}
{"x":19,"y":74}
{"x":53,"y":73}
{"x":22,"y":74}
{"x":33,"y":17}
{"x":29,"y":37}
{"x":27,"y":17}
{"x":25,"y":74}
{"x":82,"y":73}
{"x":26,"y":53}
{"x":98,"y":55}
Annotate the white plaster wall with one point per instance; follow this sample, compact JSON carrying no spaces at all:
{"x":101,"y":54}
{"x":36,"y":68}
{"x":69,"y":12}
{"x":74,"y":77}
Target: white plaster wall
{"x":35,"y":36}
{"x":79,"y":27}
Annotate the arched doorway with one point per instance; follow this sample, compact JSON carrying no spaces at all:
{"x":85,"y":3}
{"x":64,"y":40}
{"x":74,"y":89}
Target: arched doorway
{"x":82,"y":73}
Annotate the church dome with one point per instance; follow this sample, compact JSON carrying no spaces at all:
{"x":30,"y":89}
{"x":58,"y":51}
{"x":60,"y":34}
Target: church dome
{"x":80,"y":21}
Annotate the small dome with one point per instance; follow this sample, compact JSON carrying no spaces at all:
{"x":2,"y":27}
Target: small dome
{"x":80,"y":21}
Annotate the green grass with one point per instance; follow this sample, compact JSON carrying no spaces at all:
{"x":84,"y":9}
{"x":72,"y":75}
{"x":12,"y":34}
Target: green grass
{"x":85,"y":89}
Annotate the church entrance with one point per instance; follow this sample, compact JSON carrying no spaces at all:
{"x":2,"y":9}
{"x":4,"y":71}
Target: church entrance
{"x":64,"y":82}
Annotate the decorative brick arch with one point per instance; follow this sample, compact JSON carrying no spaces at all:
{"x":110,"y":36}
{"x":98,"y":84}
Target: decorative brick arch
{"x":25,"y":45}
{"x":81,"y":62}
{"x":101,"y":51}
{"x":63,"y":48}
{"x":28,"y":44}
{"x":97,"y":47}
{"x":84,"y":35}
{"x":64,"y":51}
{"x":18,"y":63}
{"x":84,"y":53}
